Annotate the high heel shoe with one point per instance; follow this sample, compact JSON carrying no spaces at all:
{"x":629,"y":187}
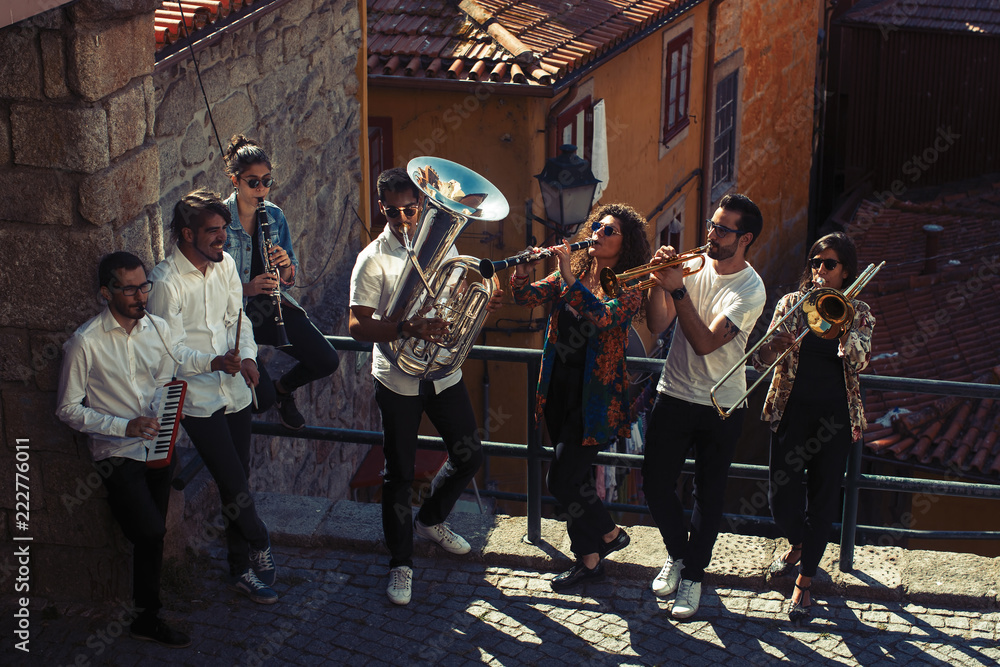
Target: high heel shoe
{"x":796,"y":610}
{"x":781,"y":566}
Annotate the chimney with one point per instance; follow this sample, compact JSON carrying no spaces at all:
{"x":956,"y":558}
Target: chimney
{"x":932,"y":247}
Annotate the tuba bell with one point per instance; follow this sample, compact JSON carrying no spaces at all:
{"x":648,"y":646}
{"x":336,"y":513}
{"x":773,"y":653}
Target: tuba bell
{"x":433,"y":284}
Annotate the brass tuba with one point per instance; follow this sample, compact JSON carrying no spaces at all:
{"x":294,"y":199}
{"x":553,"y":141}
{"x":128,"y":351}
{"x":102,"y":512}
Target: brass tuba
{"x":433,"y":284}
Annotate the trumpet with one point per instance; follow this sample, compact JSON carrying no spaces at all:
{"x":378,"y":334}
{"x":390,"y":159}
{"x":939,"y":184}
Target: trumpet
{"x":615,"y":285}
{"x":487,"y":267}
{"x":829,"y":314}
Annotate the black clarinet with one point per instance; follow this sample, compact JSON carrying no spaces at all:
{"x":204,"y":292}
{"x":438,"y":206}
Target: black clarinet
{"x":265,"y":228}
{"x":487,"y":267}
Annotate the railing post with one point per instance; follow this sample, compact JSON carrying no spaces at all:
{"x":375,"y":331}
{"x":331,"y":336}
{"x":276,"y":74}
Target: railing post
{"x":534,"y":509}
{"x":849,"y":524}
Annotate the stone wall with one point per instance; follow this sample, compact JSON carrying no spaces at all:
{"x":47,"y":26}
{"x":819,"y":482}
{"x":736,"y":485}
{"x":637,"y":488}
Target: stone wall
{"x":81,"y":170}
{"x":288,"y":80}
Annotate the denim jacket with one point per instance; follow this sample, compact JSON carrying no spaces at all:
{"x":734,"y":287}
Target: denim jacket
{"x":239,"y":244}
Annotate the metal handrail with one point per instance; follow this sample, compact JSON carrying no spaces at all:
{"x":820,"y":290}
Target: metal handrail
{"x":536,"y":454}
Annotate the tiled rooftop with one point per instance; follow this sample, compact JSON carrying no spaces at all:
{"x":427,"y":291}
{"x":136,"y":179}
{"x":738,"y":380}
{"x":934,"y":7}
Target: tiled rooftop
{"x":968,"y":16}
{"x":937,"y":325}
{"x":176,"y":20}
{"x":531,"y":42}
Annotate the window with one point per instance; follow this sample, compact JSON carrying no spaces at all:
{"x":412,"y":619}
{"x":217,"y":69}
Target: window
{"x":723,"y":161}
{"x":676,"y":85}
{"x":576,"y":126}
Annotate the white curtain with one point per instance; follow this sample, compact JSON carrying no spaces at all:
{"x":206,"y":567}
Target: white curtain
{"x":599,"y":151}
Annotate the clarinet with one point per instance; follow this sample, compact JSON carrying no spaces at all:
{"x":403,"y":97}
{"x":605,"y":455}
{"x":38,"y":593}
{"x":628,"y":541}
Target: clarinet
{"x":265,"y":228}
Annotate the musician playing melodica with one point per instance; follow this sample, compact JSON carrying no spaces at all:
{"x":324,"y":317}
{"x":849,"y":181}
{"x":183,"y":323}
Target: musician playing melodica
{"x":197,"y":291}
{"x":249,"y":168}
{"x":112,"y":367}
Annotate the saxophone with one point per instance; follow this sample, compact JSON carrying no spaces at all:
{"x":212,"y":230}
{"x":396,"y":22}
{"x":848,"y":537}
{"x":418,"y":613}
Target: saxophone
{"x":264,"y":225}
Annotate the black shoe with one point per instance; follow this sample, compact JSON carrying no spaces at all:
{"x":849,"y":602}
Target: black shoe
{"x":577,"y":574}
{"x":798,"y":612}
{"x":159,"y":632}
{"x":616,"y":544}
{"x":287,"y":412}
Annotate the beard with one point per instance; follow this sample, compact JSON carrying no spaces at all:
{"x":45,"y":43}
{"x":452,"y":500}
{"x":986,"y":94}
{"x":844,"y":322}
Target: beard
{"x":721,"y":252}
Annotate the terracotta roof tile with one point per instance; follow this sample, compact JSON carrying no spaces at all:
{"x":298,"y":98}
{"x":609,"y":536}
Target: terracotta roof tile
{"x":967,"y":16}
{"x":549,"y":39}
{"x":174,"y":21}
{"x":935,"y":326}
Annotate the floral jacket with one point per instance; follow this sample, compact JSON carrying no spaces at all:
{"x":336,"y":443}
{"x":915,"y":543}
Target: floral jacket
{"x":856,"y":354}
{"x":605,"y":390}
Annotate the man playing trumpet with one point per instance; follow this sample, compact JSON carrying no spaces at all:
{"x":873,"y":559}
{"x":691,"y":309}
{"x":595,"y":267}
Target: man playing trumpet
{"x":715,"y":309}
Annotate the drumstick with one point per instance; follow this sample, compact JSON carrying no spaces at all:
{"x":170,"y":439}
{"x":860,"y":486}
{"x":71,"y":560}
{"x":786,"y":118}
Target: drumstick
{"x":239,"y":328}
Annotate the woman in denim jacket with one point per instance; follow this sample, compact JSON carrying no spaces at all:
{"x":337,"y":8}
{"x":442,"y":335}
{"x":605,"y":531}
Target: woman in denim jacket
{"x":249,"y":168}
{"x":583,"y":386}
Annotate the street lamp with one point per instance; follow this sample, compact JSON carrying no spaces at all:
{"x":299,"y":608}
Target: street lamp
{"x":568,"y":186}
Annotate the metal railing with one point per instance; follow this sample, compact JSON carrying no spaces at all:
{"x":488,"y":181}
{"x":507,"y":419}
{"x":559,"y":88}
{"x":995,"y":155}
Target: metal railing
{"x":536,"y":454}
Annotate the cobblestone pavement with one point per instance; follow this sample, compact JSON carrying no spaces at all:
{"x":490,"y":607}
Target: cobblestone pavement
{"x":333,"y":610}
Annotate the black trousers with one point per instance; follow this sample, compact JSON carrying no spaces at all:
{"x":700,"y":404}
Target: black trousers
{"x":675,"y":426}
{"x":223,"y":442}
{"x":451,"y":414}
{"x":138,"y":496}
{"x":317,"y":358}
{"x":571,"y":473}
{"x":807,"y":461}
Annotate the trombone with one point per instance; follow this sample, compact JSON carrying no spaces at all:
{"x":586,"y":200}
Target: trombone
{"x":615,"y":285}
{"x":828,"y":314}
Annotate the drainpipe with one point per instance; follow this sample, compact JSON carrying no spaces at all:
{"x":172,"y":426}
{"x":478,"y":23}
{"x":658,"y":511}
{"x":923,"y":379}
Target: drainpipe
{"x":707,"y":114}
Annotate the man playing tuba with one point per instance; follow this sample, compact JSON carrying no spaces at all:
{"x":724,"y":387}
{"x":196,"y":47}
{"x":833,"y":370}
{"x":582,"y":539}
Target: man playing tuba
{"x":403,"y":399}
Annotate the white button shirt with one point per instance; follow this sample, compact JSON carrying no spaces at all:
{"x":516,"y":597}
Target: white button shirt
{"x":373,"y":281}
{"x":202,"y":311}
{"x":110,"y":377}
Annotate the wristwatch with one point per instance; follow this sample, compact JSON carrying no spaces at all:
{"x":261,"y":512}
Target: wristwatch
{"x":679,"y":293}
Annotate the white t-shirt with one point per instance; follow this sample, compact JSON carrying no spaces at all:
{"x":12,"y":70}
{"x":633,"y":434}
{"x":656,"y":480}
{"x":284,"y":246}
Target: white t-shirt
{"x":690,"y":377}
{"x":373,"y":281}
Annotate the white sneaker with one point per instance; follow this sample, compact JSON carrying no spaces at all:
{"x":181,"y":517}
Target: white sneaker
{"x":449,"y":540}
{"x":688,"y":599}
{"x":400,"y":584}
{"x":666,"y":581}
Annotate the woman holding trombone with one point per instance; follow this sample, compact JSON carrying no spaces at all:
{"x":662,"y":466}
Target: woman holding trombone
{"x":814,"y":407}
{"x":583,"y":387}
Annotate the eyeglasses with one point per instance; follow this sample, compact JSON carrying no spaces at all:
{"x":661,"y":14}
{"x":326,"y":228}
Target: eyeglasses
{"x":608,"y":230}
{"x":130,"y":290}
{"x":395,"y":211}
{"x":828,"y":264}
{"x":720,"y":230}
{"x":255,"y":182}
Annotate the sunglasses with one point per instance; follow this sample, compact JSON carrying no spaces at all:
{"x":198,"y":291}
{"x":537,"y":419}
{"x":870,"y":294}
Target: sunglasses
{"x":828,"y":264}
{"x":720,"y":230}
{"x":130,"y":290}
{"x":255,"y":182}
{"x":395,"y":211}
{"x":608,"y":230}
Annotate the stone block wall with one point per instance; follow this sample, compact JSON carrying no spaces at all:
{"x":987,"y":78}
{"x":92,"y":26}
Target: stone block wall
{"x":81,"y":166}
{"x":287,"y":80}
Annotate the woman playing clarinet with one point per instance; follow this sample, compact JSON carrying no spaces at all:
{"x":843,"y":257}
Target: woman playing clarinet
{"x":249,"y":168}
{"x":583,"y":387}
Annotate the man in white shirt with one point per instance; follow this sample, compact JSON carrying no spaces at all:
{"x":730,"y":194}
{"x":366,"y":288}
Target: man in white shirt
{"x":197,"y":290}
{"x":112,"y":367}
{"x":403,"y":399}
{"x":716,"y":309}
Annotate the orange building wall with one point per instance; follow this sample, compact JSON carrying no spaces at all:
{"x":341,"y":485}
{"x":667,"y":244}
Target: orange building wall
{"x":778,"y":98}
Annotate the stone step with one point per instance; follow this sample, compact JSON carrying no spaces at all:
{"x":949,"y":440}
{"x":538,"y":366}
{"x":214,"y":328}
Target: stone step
{"x":739,"y":561}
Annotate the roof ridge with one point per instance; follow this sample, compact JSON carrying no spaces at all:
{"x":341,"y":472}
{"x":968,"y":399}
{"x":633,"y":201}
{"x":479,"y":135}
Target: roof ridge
{"x":500,"y":34}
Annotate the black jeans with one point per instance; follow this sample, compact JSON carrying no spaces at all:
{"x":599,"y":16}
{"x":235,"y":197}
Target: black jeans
{"x":451,"y":414}
{"x":317,"y":358}
{"x":571,"y":473}
{"x":138,"y":496}
{"x":807,"y":461}
{"x":223,"y":442}
{"x":674,"y":427}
